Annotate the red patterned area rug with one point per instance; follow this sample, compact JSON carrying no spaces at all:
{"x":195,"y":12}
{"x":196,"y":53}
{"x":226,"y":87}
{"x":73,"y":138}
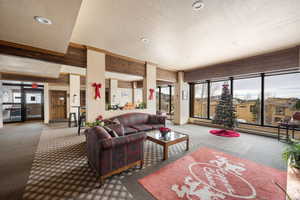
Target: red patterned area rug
{"x":207,"y":174}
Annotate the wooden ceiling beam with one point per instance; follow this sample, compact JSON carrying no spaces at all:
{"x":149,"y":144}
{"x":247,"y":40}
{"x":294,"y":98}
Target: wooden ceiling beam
{"x":74,"y":56}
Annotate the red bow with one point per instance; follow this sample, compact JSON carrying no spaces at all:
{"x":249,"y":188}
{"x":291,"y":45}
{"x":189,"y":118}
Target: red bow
{"x":97,"y":90}
{"x":151,"y":94}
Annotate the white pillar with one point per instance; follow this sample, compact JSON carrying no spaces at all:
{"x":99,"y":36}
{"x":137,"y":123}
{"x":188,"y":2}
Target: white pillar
{"x":1,"y":101}
{"x":113,"y":92}
{"x":134,"y":93}
{"x":46,"y":103}
{"x":95,"y":74}
{"x":181,"y":100}
{"x":150,"y":83}
{"x":74,"y":92}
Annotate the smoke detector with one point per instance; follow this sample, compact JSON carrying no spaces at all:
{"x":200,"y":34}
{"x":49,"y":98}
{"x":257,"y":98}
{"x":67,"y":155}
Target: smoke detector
{"x":198,"y":5}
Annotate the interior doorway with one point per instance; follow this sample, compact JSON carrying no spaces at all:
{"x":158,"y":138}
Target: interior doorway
{"x":58,"y":105}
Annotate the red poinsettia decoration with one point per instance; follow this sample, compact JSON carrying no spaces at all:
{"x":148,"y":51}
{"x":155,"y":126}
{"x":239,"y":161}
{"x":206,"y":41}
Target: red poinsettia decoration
{"x":164,"y":129}
{"x":99,"y":118}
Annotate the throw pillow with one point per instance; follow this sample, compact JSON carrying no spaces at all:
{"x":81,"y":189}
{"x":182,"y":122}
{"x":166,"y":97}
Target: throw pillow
{"x":118,"y":128}
{"x":111,"y":132}
{"x":101,"y":132}
{"x":116,"y":121}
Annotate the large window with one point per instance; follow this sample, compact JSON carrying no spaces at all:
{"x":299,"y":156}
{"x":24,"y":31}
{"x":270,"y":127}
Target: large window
{"x":262,"y":100}
{"x":200,"y":100}
{"x":282,"y":97}
{"x":165,"y":99}
{"x":215,"y":94}
{"x":247,"y":100}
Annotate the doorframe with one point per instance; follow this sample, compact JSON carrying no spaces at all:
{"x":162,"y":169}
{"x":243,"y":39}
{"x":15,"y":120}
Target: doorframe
{"x":23,"y":103}
{"x":50,"y":104}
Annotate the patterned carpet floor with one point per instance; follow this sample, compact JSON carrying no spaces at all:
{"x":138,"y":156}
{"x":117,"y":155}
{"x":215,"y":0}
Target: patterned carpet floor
{"x":60,"y":169}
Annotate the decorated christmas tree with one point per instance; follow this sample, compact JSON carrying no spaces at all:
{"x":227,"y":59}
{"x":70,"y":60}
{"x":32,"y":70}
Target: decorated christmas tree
{"x":225,"y":111}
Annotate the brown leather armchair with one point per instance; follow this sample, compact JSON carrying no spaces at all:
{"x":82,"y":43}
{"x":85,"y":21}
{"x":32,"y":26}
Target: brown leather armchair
{"x":111,"y":155}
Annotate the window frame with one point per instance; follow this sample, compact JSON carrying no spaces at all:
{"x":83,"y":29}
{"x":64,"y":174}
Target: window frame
{"x":232,"y":82}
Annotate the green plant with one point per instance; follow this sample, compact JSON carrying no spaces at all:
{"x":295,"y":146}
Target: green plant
{"x":292,"y":154}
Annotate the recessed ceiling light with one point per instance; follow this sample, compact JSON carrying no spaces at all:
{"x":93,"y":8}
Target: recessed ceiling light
{"x":42,"y":20}
{"x":198,"y":5}
{"x":145,"y":40}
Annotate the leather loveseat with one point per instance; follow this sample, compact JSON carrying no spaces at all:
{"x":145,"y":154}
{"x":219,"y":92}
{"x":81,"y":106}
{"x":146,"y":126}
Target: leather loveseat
{"x":136,"y":122}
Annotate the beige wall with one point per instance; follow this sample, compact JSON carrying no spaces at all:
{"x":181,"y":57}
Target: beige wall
{"x":95,"y":74}
{"x":181,"y":105}
{"x":46,"y":103}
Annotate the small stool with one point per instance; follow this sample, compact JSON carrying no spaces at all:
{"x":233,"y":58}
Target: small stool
{"x":81,"y":122}
{"x":70,"y":119}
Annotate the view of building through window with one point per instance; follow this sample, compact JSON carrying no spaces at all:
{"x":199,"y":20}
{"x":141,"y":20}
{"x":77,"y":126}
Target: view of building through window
{"x":247,"y":99}
{"x":282,"y":97}
{"x":200,"y":100}
{"x":165,"y":99}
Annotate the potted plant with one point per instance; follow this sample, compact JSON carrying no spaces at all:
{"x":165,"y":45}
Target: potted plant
{"x":292,"y":154}
{"x":99,"y":122}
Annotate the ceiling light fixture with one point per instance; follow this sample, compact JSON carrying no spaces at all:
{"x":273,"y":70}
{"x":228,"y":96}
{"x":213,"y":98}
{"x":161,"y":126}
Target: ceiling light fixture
{"x":145,"y":40}
{"x":42,"y":20}
{"x":198,"y":5}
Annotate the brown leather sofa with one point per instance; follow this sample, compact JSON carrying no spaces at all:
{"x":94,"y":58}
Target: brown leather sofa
{"x":119,"y":145}
{"x":136,"y":122}
{"x":111,"y":155}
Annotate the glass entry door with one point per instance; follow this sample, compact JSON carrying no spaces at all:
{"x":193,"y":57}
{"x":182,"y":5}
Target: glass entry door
{"x":33,"y":104}
{"x":12,"y":103}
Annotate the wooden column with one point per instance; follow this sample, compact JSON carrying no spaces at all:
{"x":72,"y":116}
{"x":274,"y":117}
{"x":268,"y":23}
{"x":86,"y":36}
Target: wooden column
{"x":95,"y":74}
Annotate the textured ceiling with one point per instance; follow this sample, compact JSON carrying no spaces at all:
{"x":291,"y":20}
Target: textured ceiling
{"x":17,"y":24}
{"x":181,"y":38}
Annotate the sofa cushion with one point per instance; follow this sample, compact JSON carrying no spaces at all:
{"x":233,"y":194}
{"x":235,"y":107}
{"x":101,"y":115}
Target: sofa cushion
{"x":156,"y":126}
{"x":142,"y":127}
{"x":100,"y":132}
{"x":129,"y":130}
{"x":111,"y":132}
{"x":118,"y":128}
{"x":130,"y":119}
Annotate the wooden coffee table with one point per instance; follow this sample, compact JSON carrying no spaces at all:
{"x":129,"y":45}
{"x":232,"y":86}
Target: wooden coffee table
{"x":169,"y":139}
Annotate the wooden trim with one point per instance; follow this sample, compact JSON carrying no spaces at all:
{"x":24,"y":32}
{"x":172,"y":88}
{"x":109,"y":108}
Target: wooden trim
{"x":78,"y":46}
{"x":17,"y":77}
{"x":275,"y":61}
{"x":30,"y":48}
{"x":117,"y":171}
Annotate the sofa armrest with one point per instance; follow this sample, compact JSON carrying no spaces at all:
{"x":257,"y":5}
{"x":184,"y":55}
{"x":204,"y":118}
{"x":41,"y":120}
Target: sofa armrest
{"x":118,"y":141}
{"x":157,"y":119}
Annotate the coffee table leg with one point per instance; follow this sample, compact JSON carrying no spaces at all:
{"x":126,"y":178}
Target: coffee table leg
{"x":165,"y":152}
